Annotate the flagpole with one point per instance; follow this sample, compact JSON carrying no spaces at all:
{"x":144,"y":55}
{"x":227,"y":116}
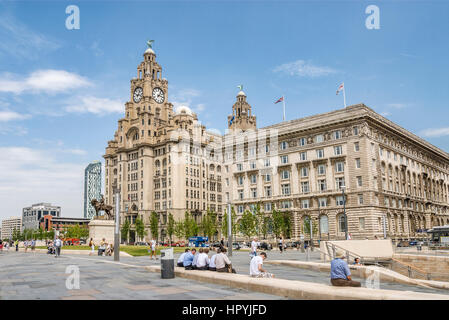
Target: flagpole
{"x":283,"y":103}
{"x":344,"y":94}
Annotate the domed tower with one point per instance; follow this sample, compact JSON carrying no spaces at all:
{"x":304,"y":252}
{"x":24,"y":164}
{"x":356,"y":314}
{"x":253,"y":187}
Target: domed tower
{"x":241,"y":117}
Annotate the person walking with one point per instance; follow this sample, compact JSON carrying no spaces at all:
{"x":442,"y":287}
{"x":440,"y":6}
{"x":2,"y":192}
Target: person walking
{"x":153,"y":249}
{"x":92,"y":247}
{"x":33,"y":245}
{"x":340,"y":274}
{"x":281,"y":245}
{"x":16,"y":243}
{"x":58,"y":245}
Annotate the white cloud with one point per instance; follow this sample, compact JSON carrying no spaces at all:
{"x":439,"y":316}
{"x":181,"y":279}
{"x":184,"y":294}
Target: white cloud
{"x":20,"y":41}
{"x":6,"y":115}
{"x":95,"y":105}
{"x":303,"y":69}
{"x":35,"y":175}
{"x":49,"y":81}
{"x":385,"y":114}
{"x":435,"y":132}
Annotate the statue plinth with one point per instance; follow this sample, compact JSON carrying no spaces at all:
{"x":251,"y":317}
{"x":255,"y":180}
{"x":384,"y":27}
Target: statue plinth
{"x":99,"y":229}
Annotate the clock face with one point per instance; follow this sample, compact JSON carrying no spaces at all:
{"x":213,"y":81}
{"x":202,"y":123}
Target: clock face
{"x":138,"y":93}
{"x":158,"y":95}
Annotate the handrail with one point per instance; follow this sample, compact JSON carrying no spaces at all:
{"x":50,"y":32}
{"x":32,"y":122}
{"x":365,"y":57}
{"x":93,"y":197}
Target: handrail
{"x":410,"y":269}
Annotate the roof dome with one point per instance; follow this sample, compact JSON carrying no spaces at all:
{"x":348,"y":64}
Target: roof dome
{"x":241,"y":93}
{"x":183,"y":110}
{"x":149,"y":50}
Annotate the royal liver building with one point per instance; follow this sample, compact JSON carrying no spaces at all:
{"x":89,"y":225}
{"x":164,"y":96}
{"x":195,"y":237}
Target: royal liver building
{"x":388,"y":181}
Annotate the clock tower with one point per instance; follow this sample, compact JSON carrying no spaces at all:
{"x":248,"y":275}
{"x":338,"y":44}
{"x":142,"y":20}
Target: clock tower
{"x":241,"y":117}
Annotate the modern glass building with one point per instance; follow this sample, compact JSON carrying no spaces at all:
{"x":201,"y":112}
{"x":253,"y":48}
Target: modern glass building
{"x":92,"y":187}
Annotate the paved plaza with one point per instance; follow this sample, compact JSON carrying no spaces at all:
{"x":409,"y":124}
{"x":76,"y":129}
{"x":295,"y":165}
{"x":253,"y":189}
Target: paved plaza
{"x":40,"y":276}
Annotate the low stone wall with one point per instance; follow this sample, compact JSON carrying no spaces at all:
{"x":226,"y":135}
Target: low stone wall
{"x":428,"y":263}
{"x":298,"y":289}
{"x":363,"y":272}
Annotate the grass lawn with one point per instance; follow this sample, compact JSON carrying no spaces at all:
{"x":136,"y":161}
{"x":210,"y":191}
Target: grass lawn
{"x":135,"y":251}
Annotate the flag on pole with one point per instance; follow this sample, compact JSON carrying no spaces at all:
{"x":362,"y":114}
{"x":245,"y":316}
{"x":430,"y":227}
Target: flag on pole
{"x":340,"y":88}
{"x":280,"y":100}
{"x":232,"y":119}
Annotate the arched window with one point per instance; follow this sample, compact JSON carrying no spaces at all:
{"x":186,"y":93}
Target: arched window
{"x":324,"y":224}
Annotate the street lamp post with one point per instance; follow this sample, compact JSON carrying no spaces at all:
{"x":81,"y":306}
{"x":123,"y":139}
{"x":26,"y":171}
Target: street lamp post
{"x":117,"y":226}
{"x":229,"y":230}
{"x":344,"y":212}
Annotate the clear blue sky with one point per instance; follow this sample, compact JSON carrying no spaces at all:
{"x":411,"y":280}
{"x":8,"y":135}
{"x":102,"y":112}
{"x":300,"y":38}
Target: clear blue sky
{"x":62,"y":91}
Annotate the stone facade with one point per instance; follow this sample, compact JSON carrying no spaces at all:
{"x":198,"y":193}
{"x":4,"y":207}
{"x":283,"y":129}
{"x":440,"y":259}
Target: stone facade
{"x":395,"y":183}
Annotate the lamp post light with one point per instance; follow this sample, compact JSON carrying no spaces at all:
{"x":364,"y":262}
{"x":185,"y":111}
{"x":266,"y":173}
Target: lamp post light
{"x":117,"y":226}
{"x":344,"y":212}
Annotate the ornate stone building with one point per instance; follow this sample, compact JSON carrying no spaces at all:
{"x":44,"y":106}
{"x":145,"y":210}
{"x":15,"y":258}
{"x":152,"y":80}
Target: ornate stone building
{"x":395,"y":183}
{"x":160,"y":159}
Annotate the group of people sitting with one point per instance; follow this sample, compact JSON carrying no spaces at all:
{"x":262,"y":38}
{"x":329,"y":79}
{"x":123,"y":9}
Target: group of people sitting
{"x":193,"y":260}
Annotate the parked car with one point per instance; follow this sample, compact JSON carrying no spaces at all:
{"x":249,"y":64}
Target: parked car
{"x":265,"y":246}
{"x":141,"y":243}
{"x":236,"y":246}
{"x":413,"y":243}
{"x":216,"y":244}
{"x":403,"y":244}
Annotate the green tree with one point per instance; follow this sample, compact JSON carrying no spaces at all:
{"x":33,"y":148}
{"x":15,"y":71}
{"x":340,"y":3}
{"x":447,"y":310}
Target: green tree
{"x":260,"y":221}
{"x":191,"y":228}
{"x":140,"y":228}
{"x":170,"y":227}
{"x":266,"y":225}
{"x":154,"y":225}
{"x":209,"y":224}
{"x":247,"y":225}
{"x":15,"y":234}
{"x":125,"y":230}
{"x":51,"y":234}
{"x":224,"y":223}
{"x":307,"y":226}
{"x":40,"y":234}
{"x":179,"y":229}
{"x":278,"y":221}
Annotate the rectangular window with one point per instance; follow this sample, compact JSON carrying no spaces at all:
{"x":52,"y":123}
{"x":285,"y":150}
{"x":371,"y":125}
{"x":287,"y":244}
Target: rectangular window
{"x":355,"y":131}
{"x":321,"y":169}
{"x":285,"y":189}
{"x":356,"y":146}
{"x":337,"y":134}
{"x":319,"y":138}
{"x":322,"y":185}
{"x":339,"y":200}
{"x":304,"y":172}
{"x":305,"y":203}
{"x":338,"y":150}
{"x":359,"y":181}
{"x":267,"y":177}
{"x":303,"y":156}
{"x":305,"y":187}
{"x":362,"y":223}
{"x":284,"y":145}
{"x":339,"y":183}
{"x":357,"y":163}
{"x":252,"y":164}
{"x":360,"y":198}
{"x":322,"y":202}
{"x":253,"y":178}
{"x":240,"y":194}
{"x":239,"y":167}
{"x":320,"y":153}
{"x":268,"y":191}
{"x":302,"y":141}
{"x":240,"y":209}
{"x":266,"y":162}
{"x":339,"y":166}
{"x":284,"y":159}
{"x":254,"y":192}
{"x":268,"y":206}
{"x":285,"y":174}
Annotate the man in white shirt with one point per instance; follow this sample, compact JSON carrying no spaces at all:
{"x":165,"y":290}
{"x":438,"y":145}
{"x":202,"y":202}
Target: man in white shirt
{"x":222,"y":262}
{"x":254,"y":247}
{"x":212,"y":266}
{"x":203,"y":260}
{"x":181,"y":258}
{"x":255,"y":267}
